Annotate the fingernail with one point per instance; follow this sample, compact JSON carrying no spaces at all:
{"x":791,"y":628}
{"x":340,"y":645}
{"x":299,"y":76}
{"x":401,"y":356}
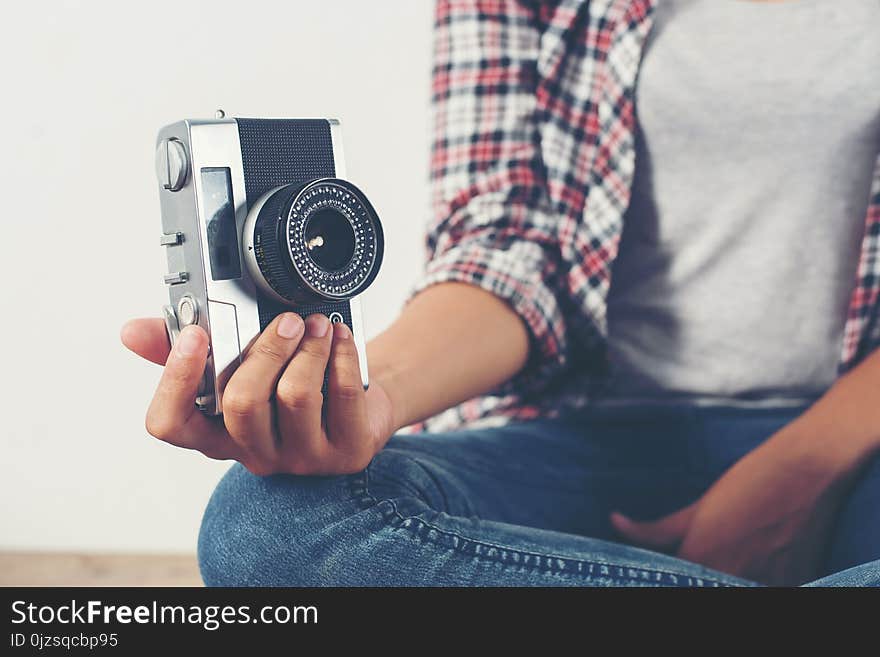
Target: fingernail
{"x":341,"y":331}
{"x":188,"y":342}
{"x":317,"y":325}
{"x":289,"y":326}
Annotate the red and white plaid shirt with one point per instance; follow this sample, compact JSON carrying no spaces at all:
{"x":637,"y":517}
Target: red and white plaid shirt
{"x":532,"y":167}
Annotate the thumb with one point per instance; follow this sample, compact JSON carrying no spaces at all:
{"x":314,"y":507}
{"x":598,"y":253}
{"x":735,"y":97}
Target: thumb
{"x":147,"y":338}
{"x":665,"y":534}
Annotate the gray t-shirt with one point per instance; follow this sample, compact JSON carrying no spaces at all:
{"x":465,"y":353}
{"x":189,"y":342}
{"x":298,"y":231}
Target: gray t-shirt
{"x":759,"y":130}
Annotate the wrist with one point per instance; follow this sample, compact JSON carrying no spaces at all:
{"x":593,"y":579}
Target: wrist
{"x":385,"y":373}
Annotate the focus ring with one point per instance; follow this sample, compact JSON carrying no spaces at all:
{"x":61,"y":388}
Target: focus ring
{"x":268,"y":235}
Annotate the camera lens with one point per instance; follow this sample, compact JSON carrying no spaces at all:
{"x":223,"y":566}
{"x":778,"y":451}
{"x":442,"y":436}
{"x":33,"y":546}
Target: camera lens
{"x":315,"y":240}
{"x":330,"y":239}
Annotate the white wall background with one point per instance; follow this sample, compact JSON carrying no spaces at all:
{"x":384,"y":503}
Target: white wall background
{"x":85,"y":87}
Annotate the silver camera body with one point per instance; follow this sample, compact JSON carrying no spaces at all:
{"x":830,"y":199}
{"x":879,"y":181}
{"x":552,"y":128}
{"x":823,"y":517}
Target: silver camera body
{"x":257,"y":219}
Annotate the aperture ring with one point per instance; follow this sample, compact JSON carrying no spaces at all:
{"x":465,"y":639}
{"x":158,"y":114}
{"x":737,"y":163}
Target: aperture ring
{"x":273,"y":261}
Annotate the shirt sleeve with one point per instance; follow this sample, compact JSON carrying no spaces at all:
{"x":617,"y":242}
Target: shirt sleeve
{"x":492,"y":225}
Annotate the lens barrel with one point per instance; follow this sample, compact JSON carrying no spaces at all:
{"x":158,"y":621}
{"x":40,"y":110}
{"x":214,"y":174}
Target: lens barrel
{"x":319,"y":240}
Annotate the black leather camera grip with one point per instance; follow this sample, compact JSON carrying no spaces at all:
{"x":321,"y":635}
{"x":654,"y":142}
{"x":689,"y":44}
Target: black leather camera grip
{"x":280,"y":151}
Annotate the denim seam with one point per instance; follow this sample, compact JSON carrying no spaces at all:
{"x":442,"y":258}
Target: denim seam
{"x":359,"y":487}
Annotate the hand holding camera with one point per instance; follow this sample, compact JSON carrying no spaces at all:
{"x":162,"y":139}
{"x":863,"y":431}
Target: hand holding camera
{"x":261,"y":231}
{"x":275,"y":417}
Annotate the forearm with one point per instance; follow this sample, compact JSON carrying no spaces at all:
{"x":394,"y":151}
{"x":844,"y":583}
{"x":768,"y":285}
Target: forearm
{"x":841,"y":431}
{"x":452,"y":342}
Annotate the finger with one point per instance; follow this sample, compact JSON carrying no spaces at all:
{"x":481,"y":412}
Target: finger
{"x":172,"y":415}
{"x":206,"y":435}
{"x":147,"y":338}
{"x":247,"y":398}
{"x":299,"y":399}
{"x":666,"y":533}
{"x":346,"y":404}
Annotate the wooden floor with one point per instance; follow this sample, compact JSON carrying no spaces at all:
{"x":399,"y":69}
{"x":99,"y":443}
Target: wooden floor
{"x":72,"y":569}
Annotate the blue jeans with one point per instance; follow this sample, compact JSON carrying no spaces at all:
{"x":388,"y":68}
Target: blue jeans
{"x":522,"y":505}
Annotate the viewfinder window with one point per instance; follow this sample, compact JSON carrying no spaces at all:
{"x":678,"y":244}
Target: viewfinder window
{"x":219,"y":212}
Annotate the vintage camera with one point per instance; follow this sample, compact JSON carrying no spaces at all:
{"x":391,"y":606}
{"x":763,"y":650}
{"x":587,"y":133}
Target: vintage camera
{"x":257,"y":220}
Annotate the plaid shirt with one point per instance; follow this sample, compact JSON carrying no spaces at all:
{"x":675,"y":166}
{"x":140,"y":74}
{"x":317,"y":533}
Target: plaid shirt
{"x":532,"y":166}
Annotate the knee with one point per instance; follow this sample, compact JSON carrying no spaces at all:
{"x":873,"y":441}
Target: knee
{"x":287,"y":530}
{"x":264,"y":531}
